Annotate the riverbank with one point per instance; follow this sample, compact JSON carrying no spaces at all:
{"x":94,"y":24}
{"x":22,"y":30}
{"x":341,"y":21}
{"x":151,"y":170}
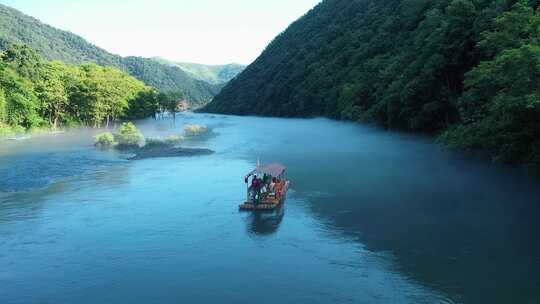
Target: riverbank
{"x":8,"y":131}
{"x":19,"y":133}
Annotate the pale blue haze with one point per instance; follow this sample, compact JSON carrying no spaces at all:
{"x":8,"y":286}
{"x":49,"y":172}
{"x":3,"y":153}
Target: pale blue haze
{"x":202,"y":31}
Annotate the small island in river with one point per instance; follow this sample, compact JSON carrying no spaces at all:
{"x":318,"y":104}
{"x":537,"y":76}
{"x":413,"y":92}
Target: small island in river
{"x":130,"y":140}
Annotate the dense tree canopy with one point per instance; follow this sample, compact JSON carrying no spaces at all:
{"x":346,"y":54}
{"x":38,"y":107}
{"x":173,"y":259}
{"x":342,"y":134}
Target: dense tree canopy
{"x":500,"y":108}
{"x":465,"y":68}
{"x":39,"y":93}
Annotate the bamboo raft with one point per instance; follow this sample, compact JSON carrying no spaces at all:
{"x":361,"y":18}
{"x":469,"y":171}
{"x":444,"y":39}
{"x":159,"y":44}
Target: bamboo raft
{"x":269,"y":201}
{"x":248,"y":206}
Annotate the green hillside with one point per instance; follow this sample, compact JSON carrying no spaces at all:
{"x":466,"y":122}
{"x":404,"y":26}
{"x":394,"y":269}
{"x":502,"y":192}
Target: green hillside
{"x":468,"y":70}
{"x":215,"y":74}
{"x":55,"y":44}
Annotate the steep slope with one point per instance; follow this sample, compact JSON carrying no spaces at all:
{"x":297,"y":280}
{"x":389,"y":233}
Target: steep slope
{"x":459,"y":67}
{"x":55,"y":44}
{"x":340,"y":47}
{"x":170,"y":79}
{"x":215,"y":74}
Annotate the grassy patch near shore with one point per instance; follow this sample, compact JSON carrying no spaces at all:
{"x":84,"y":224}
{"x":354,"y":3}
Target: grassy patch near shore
{"x":8,"y":131}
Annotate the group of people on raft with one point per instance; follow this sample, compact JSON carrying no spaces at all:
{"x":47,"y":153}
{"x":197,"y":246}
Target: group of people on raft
{"x":265,"y":186}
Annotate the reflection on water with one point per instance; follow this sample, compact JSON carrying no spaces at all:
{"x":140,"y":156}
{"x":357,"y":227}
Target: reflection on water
{"x":265,"y":222}
{"x":372,"y":217}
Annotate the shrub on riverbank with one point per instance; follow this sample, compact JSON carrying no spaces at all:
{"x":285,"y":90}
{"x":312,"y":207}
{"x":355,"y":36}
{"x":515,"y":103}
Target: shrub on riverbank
{"x":104,"y":140}
{"x":195,"y":130}
{"x":174,"y":139}
{"x":128,"y":136}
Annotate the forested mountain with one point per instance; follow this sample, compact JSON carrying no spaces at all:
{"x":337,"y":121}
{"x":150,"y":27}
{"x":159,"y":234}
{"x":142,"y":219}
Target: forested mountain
{"x":466,"y":69}
{"x":55,"y":44}
{"x":215,"y":74}
{"x":171,"y":80}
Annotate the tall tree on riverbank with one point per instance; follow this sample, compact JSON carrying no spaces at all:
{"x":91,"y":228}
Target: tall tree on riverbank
{"x":22,"y":104}
{"x":107,"y":93}
{"x":169,"y":102}
{"x":52,"y":93}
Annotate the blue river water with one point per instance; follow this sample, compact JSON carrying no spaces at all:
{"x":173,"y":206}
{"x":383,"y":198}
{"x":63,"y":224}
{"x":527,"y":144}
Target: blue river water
{"x":371,"y":217}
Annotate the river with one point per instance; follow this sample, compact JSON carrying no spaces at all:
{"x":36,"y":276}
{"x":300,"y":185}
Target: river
{"x":371,"y":217}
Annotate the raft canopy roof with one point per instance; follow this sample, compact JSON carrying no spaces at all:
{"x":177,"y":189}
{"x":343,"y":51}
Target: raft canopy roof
{"x":273,"y":169}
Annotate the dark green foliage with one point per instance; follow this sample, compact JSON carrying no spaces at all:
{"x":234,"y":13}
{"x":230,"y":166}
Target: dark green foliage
{"x":500,"y":109}
{"x":24,"y":60}
{"x":467,"y":66}
{"x":168,"y":102}
{"x":397,"y":62}
{"x":54,"y":44}
{"x":145,"y":104}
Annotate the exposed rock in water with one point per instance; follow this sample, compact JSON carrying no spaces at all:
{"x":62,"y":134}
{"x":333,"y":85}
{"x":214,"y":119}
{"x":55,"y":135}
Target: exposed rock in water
{"x":169,"y":152}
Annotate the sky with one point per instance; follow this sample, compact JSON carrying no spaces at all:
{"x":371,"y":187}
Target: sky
{"x":201,"y":31}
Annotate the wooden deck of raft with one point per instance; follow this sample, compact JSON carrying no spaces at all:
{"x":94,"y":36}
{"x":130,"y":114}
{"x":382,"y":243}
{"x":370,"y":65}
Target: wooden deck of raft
{"x":268,"y":203}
